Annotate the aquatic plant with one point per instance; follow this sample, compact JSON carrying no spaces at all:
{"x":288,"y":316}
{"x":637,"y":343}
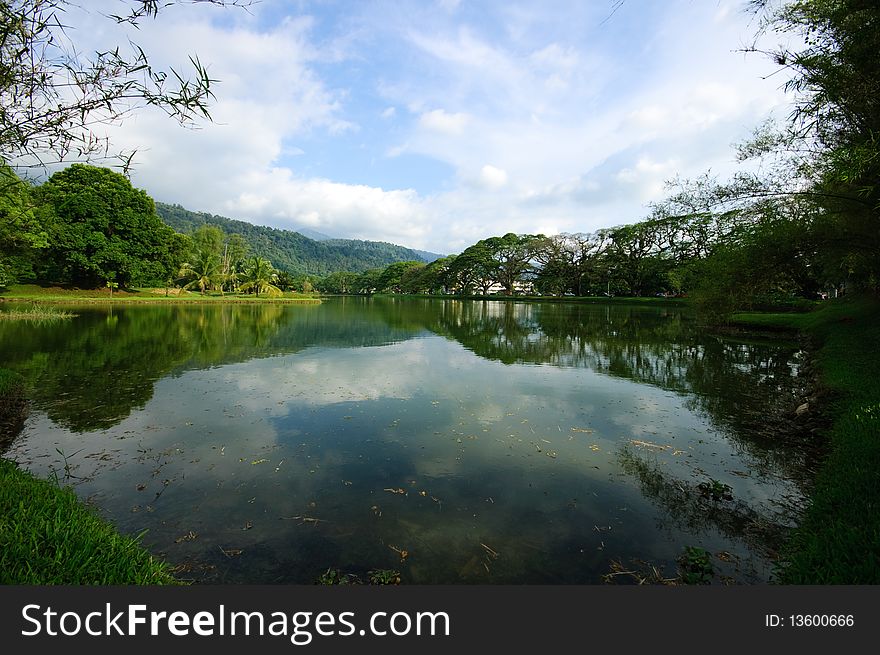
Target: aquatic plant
{"x":695,"y":566}
{"x":36,"y":313}
{"x":384,"y":577}
{"x":715,"y":490}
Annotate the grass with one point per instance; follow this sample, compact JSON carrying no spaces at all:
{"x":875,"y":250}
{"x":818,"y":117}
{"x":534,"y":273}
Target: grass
{"x":47,"y":536}
{"x":838,"y":541}
{"x":56,"y":294}
{"x":35,"y":313}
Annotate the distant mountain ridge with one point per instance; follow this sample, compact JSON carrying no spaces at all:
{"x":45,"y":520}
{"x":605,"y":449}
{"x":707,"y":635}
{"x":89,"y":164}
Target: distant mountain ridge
{"x":293,"y":251}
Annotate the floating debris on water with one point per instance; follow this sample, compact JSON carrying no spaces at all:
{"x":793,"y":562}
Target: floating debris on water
{"x":403,"y":553}
{"x":638,"y":443}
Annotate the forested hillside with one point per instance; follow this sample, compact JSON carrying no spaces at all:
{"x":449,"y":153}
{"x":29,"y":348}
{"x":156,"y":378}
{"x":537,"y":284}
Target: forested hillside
{"x":291,"y":251}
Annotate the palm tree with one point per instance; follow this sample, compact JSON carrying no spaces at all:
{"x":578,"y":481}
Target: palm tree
{"x":204,"y":271}
{"x":260,"y":276}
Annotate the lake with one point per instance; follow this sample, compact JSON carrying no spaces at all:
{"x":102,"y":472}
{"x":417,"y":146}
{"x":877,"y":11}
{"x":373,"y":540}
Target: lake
{"x":457,"y":442}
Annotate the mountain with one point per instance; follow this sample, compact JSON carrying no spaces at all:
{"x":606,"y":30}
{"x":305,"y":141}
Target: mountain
{"x":310,"y":233}
{"x":294,"y":252}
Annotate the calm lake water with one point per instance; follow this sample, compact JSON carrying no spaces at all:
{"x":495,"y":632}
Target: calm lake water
{"x":453,"y":441}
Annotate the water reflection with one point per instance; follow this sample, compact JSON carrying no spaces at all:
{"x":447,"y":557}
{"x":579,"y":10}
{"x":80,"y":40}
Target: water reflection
{"x":302,"y":437}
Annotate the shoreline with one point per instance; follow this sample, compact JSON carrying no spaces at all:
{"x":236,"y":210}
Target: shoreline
{"x":835,"y":542}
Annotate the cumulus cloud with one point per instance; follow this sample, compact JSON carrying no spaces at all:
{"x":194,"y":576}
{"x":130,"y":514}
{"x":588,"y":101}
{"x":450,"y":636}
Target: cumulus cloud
{"x":358,"y":211}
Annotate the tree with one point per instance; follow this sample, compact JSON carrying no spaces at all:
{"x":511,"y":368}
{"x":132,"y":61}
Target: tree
{"x":284,"y":280}
{"x":339,"y":282}
{"x":514,"y":256}
{"x":474,"y":267}
{"x":202,"y":271}
{"x":204,"y":267}
{"x":101,"y":228}
{"x":299,"y":282}
{"x":427,"y":278}
{"x":569,"y":262}
{"x":53,"y":96}
{"x":235,"y":252}
{"x":827,"y":154}
{"x":631,"y":256}
{"x":440,"y":270}
{"x":22,"y":233}
{"x":367,"y":282}
{"x":259,"y":276}
{"x":390,"y":279}
{"x":209,"y":239}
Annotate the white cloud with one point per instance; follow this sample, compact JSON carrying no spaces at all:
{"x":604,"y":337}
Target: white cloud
{"x":358,"y":211}
{"x":437,"y":120}
{"x":647,"y":177}
{"x":492,"y":177}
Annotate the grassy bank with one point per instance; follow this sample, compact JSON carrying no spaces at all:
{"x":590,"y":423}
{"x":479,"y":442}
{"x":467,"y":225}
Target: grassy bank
{"x":47,"y":536}
{"x":838,"y":542}
{"x":53,"y":294}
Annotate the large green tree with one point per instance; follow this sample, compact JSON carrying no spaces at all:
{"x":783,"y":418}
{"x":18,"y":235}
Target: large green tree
{"x":514,"y":256}
{"x":571,"y":263}
{"x":391,"y":278}
{"x":102,"y":228}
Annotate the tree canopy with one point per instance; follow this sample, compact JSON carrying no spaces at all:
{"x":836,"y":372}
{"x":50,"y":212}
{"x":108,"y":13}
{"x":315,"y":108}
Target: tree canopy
{"x":101,"y":228}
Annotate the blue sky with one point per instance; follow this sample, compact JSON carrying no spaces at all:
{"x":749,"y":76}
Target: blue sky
{"x":436,"y":123}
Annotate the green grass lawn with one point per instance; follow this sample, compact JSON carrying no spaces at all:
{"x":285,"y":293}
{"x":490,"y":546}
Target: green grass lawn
{"x":838,"y":542}
{"x":55,"y":294}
